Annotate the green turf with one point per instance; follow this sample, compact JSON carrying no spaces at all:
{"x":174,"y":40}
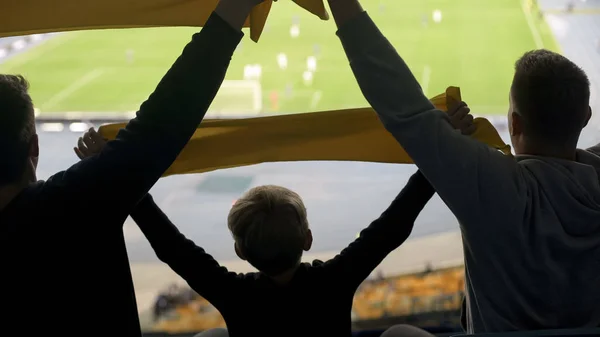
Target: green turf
{"x":473,"y":47}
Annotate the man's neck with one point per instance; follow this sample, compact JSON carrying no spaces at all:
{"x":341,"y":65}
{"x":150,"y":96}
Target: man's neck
{"x":9,"y":192}
{"x":566,"y":154}
{"x":543,"y":148}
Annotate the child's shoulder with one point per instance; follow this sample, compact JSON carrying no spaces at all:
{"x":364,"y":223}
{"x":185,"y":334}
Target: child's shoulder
{"x":315,"y":267}
{"x":249,"y":276}
{"x":317,"y":263}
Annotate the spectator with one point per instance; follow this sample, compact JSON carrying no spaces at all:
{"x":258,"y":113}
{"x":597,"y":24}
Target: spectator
{"x":570,"y":6}
{"x":530,"y":224}
{"x":188,"y":295}
{"x":173,"y":290}
{"x":271,"y":231}
{"x":161,"y":305}
{"x":52,"y":237}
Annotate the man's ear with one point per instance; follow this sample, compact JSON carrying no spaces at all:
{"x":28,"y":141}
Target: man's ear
{"x":239,"y":252}
{"x":516,"y":127}
{"x":34,"y":152}
{"x":34,"y":146}
{"x":588,"y":117}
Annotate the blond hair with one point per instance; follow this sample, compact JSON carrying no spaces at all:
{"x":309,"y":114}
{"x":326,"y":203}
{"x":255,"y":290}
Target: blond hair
{"x":269,"y":225}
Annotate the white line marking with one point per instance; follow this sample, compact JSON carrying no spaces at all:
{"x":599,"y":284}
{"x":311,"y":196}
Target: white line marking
{"x":532,"y":27}
{"x":425,"y":79}
{"x":68,"y":91}
{"x":316,"y":98}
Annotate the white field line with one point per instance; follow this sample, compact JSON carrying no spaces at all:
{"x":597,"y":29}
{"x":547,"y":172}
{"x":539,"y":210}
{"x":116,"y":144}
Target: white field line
{"x":316,"y":98}
{"x":539,"y":44}
{"x":73,"y":87}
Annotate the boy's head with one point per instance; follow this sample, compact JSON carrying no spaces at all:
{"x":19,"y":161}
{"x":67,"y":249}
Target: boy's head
{"x":18,"y":140}
{"x":549,"y":104}
{"x":270,"y":229}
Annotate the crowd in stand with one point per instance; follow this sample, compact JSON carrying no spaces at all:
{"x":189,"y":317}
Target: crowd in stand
{"x":530,"y":223}
{"x":173,"y":297}
{"x":180,"y":309}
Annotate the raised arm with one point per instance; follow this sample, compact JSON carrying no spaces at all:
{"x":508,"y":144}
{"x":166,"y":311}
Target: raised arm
{"x":388,"y":232}
{"x":189,"y":261}
{"x":479,"y":175}
{"x":192,"y":263}
{"x":130,"y":165}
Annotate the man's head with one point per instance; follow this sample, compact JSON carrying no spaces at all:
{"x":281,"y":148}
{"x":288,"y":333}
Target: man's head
{"x":549,"y":104}
{"x":19,"y":149}
{"x":270,"y":229}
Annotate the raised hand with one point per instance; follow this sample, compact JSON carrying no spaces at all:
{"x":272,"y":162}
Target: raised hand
{"x":235,"y":12}
{"x":344,"y":10}
{"x":90,"y":144}
{"x":461,"y":118}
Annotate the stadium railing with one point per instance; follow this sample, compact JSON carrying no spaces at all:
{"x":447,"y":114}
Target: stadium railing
{"x":541,"y":333}
{"x":364,"y":333}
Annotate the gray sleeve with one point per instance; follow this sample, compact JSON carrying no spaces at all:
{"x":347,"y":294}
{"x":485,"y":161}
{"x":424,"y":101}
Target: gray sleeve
{"x":473,"y":179}
{"x":595,"y":149}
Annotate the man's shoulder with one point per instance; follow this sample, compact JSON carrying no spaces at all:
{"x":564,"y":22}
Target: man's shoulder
{"x":539,"y":166}
{"x":53,"y":189}
{"x":25,"y":211}
{"x":29,"y":197}
{"x":39,"y":199}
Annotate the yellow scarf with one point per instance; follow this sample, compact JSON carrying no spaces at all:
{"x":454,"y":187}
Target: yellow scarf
{"x":346,"y":135}
{"x":42,"y":16}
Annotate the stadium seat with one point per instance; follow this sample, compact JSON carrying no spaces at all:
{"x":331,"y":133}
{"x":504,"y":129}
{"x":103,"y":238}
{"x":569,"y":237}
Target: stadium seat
{"x":542,"y":333}
{"x":367,"y":333}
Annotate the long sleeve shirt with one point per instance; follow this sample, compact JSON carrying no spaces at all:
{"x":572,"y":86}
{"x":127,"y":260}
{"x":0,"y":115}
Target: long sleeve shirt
{"x":530,"y":224}
{"x":62,"y":250}
{"x":318,"y":298}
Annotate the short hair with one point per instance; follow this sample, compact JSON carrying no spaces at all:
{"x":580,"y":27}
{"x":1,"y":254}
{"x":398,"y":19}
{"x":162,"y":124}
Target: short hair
{"x":17,"y":127}
{"x":269,"y":224}
{"x":552,"y":94}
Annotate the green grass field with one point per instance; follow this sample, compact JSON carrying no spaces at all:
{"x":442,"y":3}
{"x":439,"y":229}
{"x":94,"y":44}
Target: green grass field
{"x":474,"y":47}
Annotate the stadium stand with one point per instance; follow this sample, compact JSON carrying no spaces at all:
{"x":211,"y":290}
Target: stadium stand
{"x":578,"y":34}
{"x":432,"y":297}
{"x":6,"y":41}
{"x":10,"y":46}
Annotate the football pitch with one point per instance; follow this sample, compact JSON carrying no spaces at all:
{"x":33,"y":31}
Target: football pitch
{"x":468,"y":43}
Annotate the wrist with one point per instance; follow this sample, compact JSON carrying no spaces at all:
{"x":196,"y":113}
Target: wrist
{"x":344,"y":10}
{"x":234,"y":12}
